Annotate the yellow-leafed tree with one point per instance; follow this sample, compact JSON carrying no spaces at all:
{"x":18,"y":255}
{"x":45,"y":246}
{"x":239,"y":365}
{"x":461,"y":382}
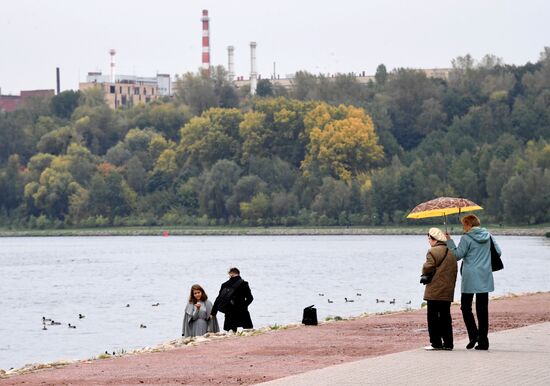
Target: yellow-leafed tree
{"x":342,"y":142}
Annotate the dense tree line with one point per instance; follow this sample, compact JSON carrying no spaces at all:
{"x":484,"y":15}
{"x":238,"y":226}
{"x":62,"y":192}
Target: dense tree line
{"x":327,"y":151}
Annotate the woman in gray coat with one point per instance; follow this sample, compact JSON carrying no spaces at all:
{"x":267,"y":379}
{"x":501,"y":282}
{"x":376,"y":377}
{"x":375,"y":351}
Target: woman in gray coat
{"x":439,"y":293}
{"x":198,"y":319}
{"x":477,"y":278}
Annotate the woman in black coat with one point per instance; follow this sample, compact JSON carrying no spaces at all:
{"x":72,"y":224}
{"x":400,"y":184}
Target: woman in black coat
{"x":234,"y":298}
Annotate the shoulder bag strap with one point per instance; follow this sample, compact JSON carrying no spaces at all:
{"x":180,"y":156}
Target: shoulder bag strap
{"x":237,"y":284}
{"x":444,"y":257}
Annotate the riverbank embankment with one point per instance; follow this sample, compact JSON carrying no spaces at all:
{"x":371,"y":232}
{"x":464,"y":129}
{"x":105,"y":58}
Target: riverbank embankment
{"x":277,"y":353}
{"x":262,"y":231}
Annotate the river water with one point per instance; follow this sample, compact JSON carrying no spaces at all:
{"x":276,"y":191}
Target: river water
{"x":62,"y":277}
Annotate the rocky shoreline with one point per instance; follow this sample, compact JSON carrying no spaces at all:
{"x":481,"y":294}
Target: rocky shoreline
{"x":172,"y":344}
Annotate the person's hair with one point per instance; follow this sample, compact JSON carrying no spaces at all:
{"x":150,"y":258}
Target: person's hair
{"x":431,"y":238}
{"x":234,"y":270}
{"x":470,"y":219}
{"x":196,"y":287}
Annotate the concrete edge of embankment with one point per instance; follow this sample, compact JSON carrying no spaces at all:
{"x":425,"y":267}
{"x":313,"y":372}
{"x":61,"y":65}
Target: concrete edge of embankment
{"x":263,"y":231}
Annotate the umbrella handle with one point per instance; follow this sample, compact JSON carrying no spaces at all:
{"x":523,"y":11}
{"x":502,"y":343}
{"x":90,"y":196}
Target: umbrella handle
{"x":445,"y":222}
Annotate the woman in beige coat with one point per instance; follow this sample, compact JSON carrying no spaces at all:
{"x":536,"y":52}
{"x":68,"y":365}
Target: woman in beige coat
{"x":439,"y":293}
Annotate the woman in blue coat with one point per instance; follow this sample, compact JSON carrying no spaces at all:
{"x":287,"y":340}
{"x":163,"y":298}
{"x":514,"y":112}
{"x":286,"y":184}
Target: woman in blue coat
{"x":474,"y":249}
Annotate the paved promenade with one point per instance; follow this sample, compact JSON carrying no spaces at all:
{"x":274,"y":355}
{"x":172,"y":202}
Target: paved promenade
{"x":516,"y":357}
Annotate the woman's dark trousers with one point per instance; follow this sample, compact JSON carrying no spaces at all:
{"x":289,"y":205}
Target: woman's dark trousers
{"x":440,"y":324}
{"x":476,"y":333}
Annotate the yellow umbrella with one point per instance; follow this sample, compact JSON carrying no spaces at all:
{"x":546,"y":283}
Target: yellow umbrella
{"x":443,"y":206}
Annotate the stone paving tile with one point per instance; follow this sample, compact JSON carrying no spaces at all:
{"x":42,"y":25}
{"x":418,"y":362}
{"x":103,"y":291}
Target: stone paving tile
{"x":516,"y":357}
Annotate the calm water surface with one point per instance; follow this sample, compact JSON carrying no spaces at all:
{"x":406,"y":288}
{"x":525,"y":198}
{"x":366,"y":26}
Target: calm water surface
{"x":60,"y":278}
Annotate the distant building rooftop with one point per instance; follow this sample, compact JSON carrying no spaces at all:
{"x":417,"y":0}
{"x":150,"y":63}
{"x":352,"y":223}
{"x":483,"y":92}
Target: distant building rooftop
{"x":11,"y":103}
{"x":362,"y":77}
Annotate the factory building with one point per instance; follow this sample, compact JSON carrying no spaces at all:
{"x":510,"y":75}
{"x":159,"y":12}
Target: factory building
{"x":129,"y":90}
{"x":9,"y":103}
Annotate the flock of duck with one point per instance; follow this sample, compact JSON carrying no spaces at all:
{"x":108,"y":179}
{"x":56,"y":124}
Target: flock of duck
{"x":50,"y":322}
{"x":346,"y":300}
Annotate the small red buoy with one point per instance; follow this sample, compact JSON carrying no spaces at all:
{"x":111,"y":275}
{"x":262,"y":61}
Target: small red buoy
{"x":165,"y":233}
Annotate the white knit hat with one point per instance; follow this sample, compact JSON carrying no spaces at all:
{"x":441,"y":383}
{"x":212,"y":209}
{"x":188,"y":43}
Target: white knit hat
{"x":437,"y":234}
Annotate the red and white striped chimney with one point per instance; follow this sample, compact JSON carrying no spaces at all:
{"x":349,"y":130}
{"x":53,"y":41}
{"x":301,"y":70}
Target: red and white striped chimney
{"x":205,"y":42}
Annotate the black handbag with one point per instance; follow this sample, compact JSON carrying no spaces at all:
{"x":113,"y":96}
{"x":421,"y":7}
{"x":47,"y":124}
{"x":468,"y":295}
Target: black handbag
{"x":496,"y":261}
{"x":310,"y":316}
{"x":426,"y":278}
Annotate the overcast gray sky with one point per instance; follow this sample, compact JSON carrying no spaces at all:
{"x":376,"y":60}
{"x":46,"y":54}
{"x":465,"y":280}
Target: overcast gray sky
{"x":164,"y":36}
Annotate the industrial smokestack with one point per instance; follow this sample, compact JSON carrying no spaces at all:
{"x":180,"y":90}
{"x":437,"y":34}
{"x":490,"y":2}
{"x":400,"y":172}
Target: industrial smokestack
{"x":58,"y":80}
{"x":230,"y":63}
{"x":205,"y":42}
{"x":112,"y":52}
{"x":253,"y":73}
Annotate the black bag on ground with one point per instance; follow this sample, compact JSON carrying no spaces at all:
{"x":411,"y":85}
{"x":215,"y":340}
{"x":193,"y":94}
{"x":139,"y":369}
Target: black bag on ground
{"x":496,"y":261}
{"x":225,"y":298}
{"x":310,"y":316}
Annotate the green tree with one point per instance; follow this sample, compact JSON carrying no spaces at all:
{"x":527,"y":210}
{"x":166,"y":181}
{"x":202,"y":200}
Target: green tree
{"x":284,"y":204}
{"x":165,"y":118}
{"x":385,"y":192}
{"x":92,"y":97}
{"x":225,"y":91}
{"x":333,"y":198}
{"x":279,"y":174}
{"x":64,"y":103}
{"x":275,"y":127}
{"x":57,"y":141}
{"x":136,"y":174}
{"x":12,"y":182}
{"x":381,"y":75}
{"x":109,"y":195}
{"x":51,"y":194}
{"x":305,"y":86}
{"x":12,"y":136}
{"x":341,"y":89}
{"x":244,"y":190}
{"x":81,"y":163}
{"x":431,"y":118}
{"x":258,"y":208}
{"x":408,"y":90}
{"x":217,"y":187}
{"x":188,"y":197}
{"x":463,"y":177}
{"x":210,"y":137}
{"x":201,"y":92}
{"x":98,"y":126}
{"x":38,"y":163}
{"x":514,"y":199}
{"x":264,"y":88}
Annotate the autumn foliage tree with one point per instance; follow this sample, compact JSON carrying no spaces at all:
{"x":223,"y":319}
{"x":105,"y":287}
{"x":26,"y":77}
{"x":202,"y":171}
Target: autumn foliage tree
{"x":342,"y":142}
